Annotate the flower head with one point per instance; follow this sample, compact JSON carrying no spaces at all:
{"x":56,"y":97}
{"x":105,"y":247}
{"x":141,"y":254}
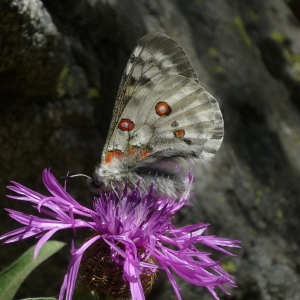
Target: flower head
{"x":132,"y":237}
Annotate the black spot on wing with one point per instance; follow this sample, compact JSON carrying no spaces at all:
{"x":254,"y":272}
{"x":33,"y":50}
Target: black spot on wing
{"x":144,"y":79}
{"x":132,"y":80}
{"x":163,"y":70}
{"x":152,"y":60}
{"x":140,"y":61}
{"x":187,"y":141}
{"x":174,"y":124}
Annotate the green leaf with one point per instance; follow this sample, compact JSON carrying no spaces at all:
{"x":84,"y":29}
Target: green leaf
{"x":47,"y":298}
{"x":12,"y":277}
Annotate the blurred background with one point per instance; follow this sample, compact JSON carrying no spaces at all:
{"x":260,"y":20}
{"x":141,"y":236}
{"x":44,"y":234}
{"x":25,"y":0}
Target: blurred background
{"x":60,"y":66}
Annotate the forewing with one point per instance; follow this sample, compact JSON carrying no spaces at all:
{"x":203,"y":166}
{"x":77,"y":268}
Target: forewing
{"x":156,"y":55}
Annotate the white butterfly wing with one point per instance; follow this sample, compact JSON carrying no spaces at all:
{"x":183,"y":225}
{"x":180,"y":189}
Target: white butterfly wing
{"x":161,"y":111}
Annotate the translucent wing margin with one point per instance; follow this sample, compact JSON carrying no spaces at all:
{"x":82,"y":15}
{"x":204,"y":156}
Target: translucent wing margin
{"x":156,"y":55}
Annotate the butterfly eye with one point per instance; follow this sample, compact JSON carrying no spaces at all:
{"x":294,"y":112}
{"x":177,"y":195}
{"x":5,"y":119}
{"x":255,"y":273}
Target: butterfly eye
{"x":94,"y":185}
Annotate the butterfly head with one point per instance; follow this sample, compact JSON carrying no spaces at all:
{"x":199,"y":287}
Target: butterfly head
{"x":105,"y":175}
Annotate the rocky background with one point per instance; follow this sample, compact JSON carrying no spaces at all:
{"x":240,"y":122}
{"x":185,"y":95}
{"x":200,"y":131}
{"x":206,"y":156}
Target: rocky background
{"x":60,"y":66}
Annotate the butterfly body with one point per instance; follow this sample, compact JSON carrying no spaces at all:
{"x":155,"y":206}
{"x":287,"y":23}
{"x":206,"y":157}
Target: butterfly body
{"x":161,"y":114}
{"x":167,"y":183}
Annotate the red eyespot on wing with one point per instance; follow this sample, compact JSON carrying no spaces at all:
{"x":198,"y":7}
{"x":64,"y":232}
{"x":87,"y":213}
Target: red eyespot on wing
{"x":180,"y":133}
{"x":113,"y":154}
{"x":163,"y":109}
{"x":132,"y":150}
{"x":135,"y":150}
{"x":126,"y":125}
{"x":144,"y":153}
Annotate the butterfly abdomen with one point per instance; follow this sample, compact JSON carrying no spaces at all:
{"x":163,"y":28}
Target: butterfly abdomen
{"x":124,"y":172}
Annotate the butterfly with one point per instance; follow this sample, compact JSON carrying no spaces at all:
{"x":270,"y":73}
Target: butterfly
{"x":161,"y":114}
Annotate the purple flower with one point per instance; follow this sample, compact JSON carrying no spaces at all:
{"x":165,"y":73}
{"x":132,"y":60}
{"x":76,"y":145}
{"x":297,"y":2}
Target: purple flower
{"x":131,"y":233}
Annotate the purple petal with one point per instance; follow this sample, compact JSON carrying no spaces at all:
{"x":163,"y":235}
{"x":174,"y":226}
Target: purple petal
{"x":133,"y":220}
{"x":68,"y":285}
{"x":43,"y":240}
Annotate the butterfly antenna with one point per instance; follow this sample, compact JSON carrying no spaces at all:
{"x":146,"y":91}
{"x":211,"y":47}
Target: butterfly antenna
{"x":76,"y":175}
